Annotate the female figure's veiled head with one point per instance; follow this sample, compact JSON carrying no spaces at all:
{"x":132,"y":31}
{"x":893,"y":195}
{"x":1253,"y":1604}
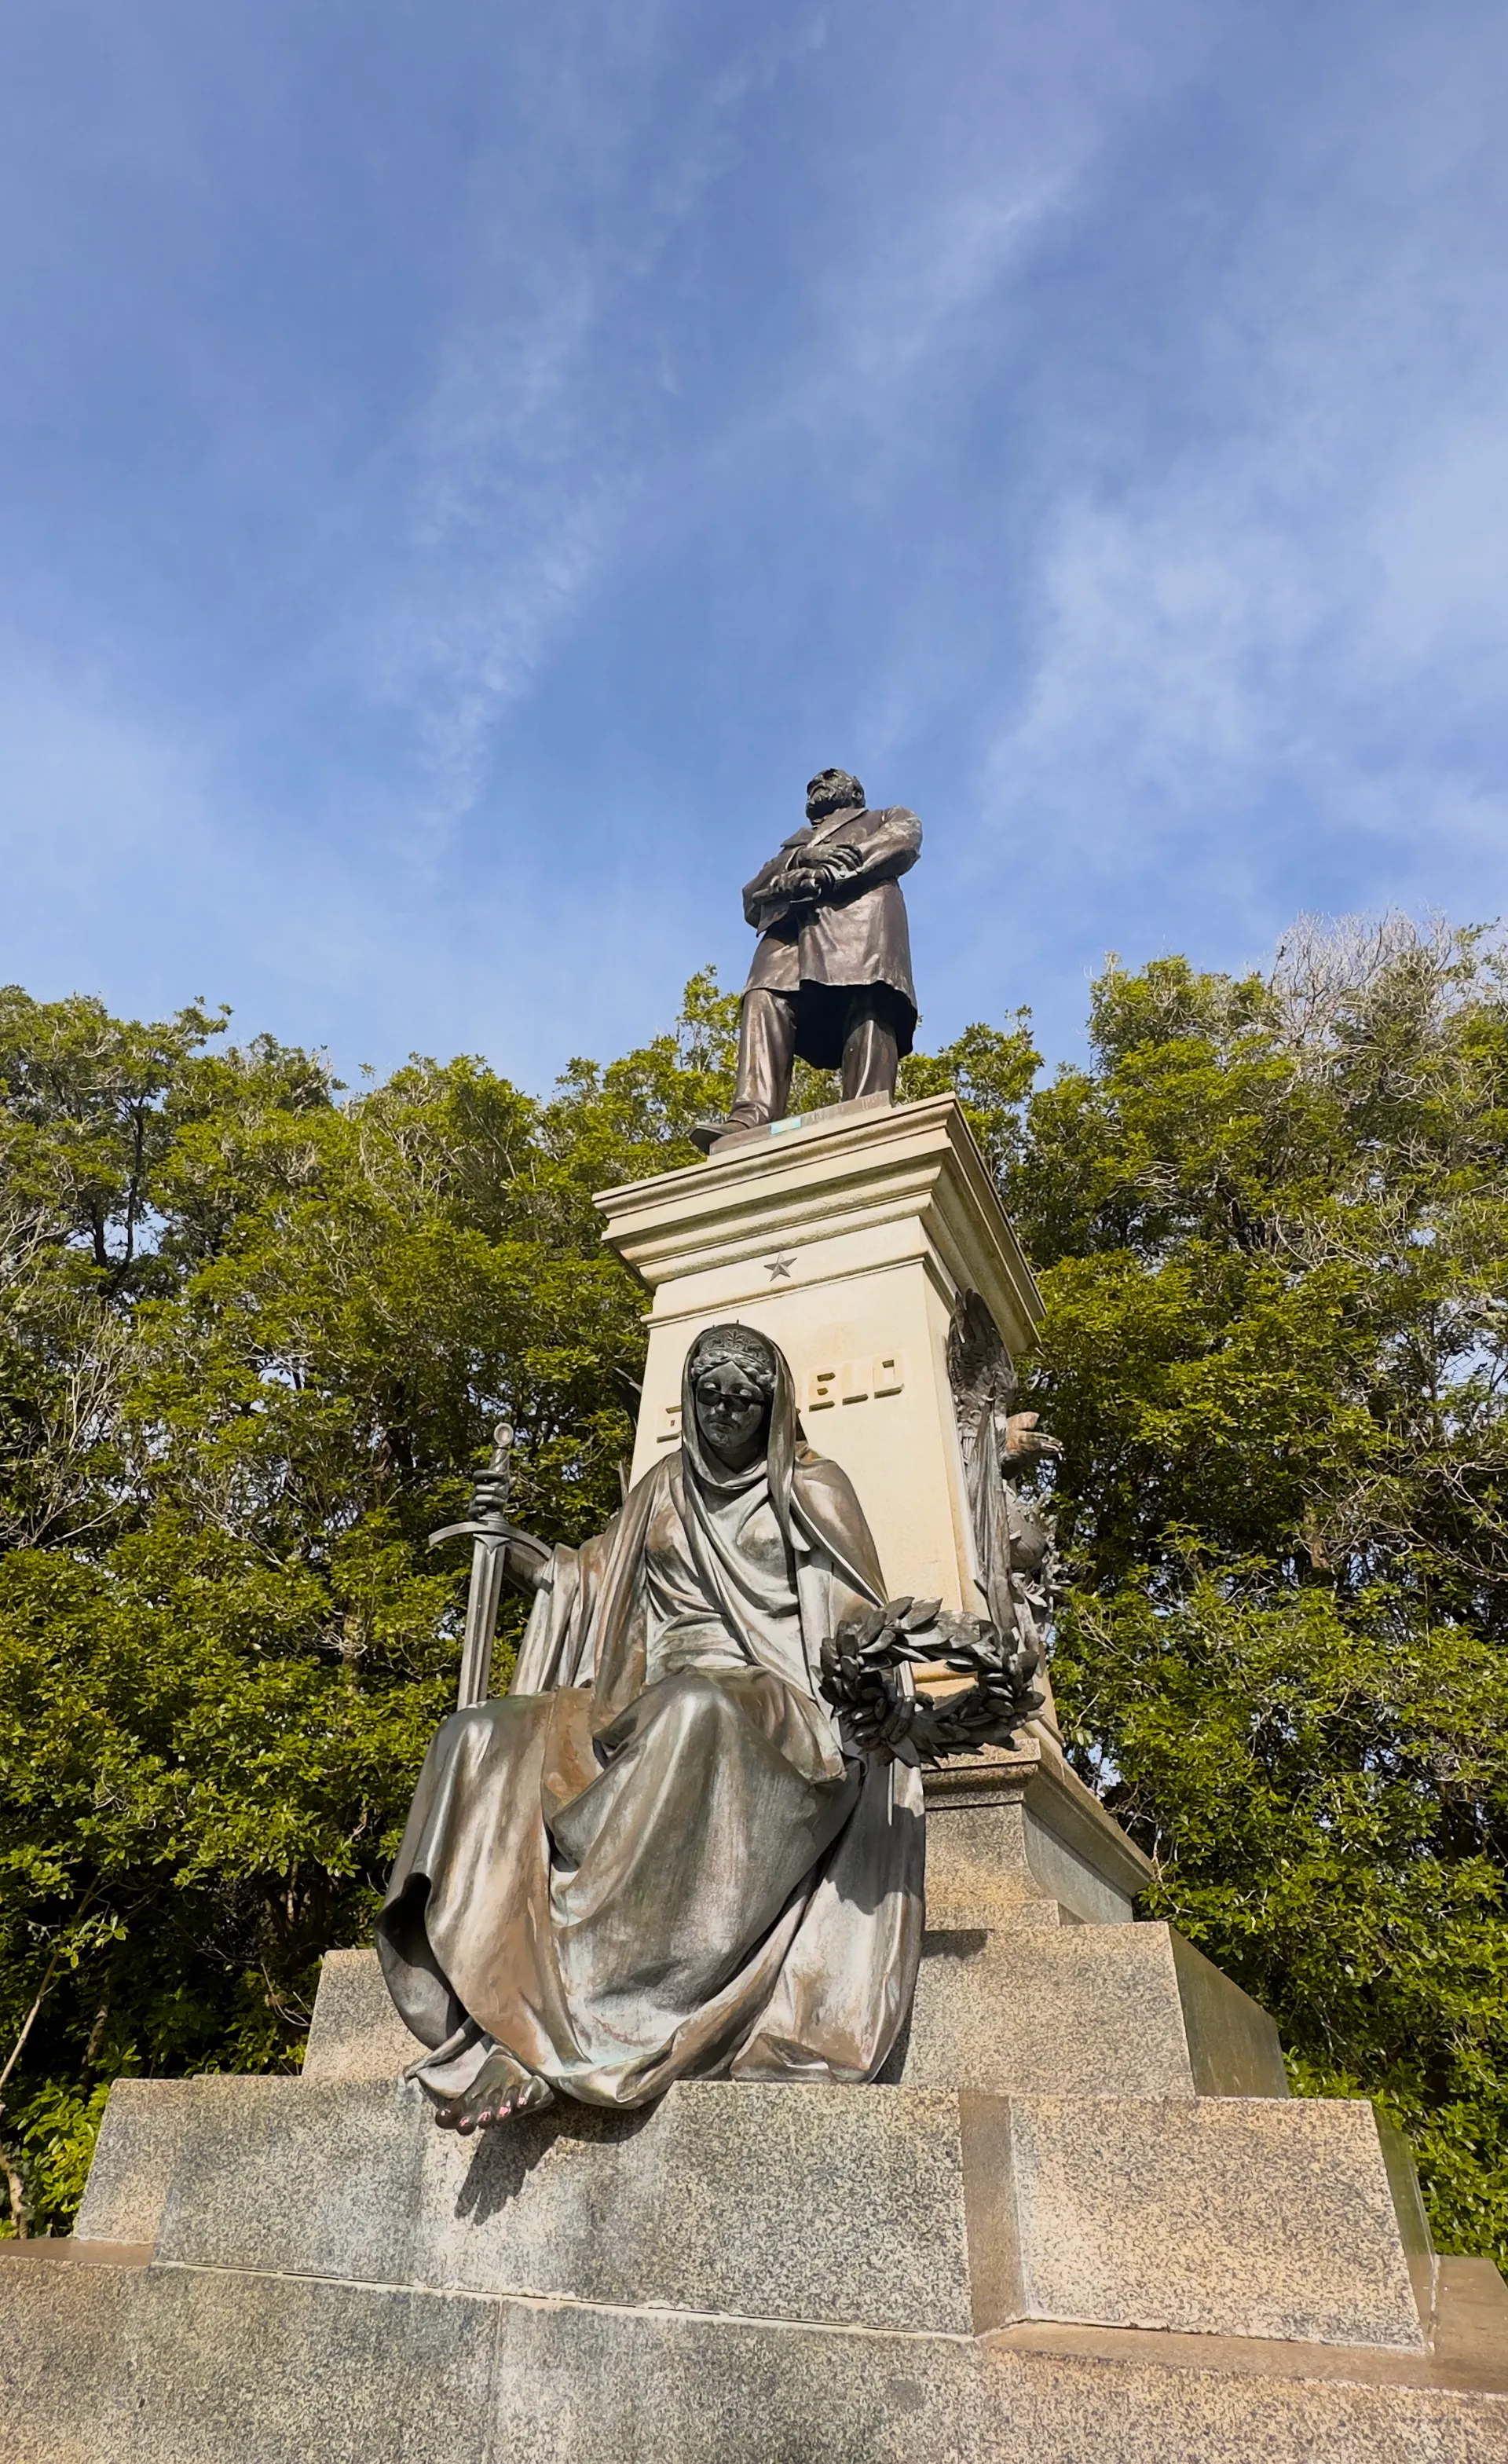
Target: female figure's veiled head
{"x":730,"y":1379}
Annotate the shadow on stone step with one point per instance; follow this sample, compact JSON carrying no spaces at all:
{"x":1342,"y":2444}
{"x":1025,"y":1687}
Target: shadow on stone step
{"x":505,"y":2156}
{"x":964,"y":1942}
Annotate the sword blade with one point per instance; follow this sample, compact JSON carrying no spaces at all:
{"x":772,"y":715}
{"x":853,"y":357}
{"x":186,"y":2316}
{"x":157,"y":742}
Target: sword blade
{"x":481,"y":1622}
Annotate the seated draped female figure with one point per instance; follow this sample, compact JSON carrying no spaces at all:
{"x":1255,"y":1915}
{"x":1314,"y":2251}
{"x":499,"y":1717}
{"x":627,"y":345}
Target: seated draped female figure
{"x":653,"y":1860}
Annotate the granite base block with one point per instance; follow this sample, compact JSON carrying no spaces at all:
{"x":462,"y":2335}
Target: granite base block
{"x":895,"y":2207}
{"x":164,"y":2366}
{"x":812,"y":2203}
{"x":1117,"y":2010}
{"x":582,"y":2387}
{"x":63,"y":2355}
{"x":1414,"y":2222}
{"x":1238,"y":2216}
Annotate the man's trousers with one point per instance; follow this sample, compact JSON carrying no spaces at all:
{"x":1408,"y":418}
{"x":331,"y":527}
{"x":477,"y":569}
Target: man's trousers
{"x":767,"y":1035}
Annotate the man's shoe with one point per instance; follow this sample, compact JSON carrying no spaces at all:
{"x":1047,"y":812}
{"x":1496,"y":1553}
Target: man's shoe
{"x":705,"y":1134}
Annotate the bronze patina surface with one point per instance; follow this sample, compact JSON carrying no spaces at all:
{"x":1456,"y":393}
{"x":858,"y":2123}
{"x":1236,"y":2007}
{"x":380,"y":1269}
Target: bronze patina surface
{"x":653,"y":1860}
{"x":831,"y":980}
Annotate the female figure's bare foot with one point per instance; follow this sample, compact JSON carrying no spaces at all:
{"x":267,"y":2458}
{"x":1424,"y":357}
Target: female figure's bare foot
{"x":501,"y":2088}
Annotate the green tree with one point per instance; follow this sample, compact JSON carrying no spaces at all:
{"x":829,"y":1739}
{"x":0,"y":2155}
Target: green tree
{"x":254,"y":1337}
{"x":255,"y":1328}
{"x":1271,"y":1220}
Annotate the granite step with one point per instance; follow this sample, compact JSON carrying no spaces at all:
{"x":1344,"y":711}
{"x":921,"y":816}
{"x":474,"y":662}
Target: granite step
{"x":356,"y":2032}
{"x":1117,"y":2010}
{"x":894,"y":2208}
{"x":112,"y":2364}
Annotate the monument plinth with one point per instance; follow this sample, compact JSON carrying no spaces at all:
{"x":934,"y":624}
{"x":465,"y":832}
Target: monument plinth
{"x":850,"y":1235}
{"x":846,"y":1236}
{"x":1078,"y":2216}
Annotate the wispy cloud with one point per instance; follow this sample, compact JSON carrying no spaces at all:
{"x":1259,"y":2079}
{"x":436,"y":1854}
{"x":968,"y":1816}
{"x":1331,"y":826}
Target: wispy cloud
{"x":462,"y":481}
{"x":1267,"y":647}
{"x":545,"y":423}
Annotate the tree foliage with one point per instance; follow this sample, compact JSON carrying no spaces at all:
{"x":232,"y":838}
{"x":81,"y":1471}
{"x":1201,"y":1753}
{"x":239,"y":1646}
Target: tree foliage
{"x":256,"y":1329}
{"x":253,"y":1339}
{"x":1271,"y":1224}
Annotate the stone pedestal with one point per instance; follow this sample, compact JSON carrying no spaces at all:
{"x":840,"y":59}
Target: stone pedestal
{"x":1079,"y":2217}
{"x":1016,"y":1838}
{"x":846,"y":1236}
{"x":965,"y":2268}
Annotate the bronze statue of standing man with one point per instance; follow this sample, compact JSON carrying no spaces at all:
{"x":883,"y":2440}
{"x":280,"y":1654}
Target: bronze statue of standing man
{"x":831,"y":980}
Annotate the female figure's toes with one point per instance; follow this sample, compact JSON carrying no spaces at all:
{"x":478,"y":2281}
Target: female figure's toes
{"x":501,"y":2088}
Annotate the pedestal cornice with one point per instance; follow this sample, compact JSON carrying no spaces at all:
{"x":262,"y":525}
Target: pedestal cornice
{"x":824,"y":1177}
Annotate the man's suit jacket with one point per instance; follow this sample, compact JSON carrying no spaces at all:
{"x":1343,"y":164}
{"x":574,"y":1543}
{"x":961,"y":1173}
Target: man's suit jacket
{"x":856,"y":934}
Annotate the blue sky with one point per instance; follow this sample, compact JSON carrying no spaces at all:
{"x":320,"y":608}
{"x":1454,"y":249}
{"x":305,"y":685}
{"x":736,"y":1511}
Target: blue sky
{"x":463,"y":467}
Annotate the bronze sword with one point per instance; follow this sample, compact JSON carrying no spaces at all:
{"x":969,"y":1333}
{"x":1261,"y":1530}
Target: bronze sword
{"x":488,"y":1536}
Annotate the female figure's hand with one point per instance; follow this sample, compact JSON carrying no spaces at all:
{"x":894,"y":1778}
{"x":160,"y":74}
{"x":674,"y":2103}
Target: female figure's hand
{"x":526,"y":1560}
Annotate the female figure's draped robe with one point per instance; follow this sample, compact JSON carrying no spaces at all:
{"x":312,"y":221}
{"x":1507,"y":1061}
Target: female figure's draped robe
{"x":651,"y":1861}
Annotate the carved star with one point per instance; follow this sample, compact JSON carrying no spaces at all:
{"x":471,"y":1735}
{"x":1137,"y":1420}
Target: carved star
{"x":779,"y":1270}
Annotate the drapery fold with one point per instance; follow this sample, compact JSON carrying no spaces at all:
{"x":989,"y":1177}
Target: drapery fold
{"x":653,"y":1860}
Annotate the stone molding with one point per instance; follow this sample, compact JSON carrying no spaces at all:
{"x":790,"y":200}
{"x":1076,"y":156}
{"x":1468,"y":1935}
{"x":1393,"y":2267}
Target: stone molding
{"x":860,"y":1168}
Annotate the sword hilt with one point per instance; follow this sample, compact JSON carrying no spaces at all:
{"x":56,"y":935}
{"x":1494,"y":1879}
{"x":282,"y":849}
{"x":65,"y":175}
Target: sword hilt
{"x":499,"y":1469}
{"x":493,"y":1533}
{"x":489,"y":1531}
